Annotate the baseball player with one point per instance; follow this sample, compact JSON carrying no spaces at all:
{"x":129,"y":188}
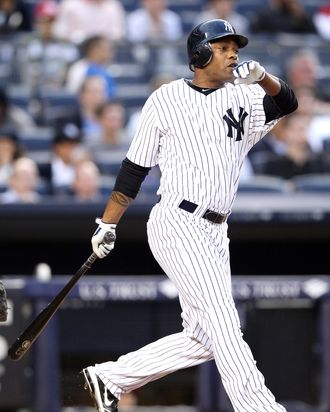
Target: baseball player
{"x":198,"y":131}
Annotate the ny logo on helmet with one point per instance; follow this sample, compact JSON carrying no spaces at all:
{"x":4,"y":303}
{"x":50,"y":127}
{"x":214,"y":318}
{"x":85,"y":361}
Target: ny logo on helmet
{"x":228,"y":27}
{"x":232,"y":123}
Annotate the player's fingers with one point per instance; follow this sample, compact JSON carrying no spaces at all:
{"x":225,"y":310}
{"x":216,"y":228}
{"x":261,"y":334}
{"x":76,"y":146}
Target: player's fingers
{"x":235,"y":72}
{"x":99,"y":253}
{"x":252,"y":65}
{"x":246,"y":70}
{"x":243,"y":70}
{"x":238,"y":71}
{"x":105,"y":249}
{"x":241,"y":81}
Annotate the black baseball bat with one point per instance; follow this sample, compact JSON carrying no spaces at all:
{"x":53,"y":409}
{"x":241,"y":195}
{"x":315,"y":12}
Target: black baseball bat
{"x":23,"y":343}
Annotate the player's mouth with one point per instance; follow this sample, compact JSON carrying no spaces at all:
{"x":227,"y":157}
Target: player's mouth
{"x":232,"y":65}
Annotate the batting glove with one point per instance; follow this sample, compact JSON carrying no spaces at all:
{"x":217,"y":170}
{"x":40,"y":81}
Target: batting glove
{"x":249,"y":72}
{"x":102,"y":247}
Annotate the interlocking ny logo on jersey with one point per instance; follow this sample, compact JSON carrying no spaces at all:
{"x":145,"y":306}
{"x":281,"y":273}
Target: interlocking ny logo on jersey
{"x":232,"y":123}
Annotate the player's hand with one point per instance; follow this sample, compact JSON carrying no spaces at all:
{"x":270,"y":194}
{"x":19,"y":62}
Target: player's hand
{"x":249,"y":72}
{"x":101,"y":247}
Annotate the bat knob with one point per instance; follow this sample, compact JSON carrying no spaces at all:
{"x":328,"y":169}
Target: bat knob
{"x":109,"y":237}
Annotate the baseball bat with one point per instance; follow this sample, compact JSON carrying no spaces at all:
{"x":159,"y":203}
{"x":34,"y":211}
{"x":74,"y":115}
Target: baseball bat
{"x":23,"y":343}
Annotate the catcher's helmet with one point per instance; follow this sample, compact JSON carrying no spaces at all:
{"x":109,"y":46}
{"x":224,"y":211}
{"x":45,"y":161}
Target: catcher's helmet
{"x":198,"y":43}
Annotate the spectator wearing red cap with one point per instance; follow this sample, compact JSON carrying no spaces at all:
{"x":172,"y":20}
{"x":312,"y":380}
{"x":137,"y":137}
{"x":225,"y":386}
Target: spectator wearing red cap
{"x":45,"y":59}
{"x":45,"y":14}
{"x":322,"y":21}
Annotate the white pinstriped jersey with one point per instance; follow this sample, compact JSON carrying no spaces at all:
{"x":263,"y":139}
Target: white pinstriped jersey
{"x":200,"y":141}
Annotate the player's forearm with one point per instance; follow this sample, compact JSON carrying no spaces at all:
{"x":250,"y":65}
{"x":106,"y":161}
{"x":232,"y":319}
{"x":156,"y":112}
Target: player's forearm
{"x":128,"y":182}
{"x":116,"y":207}
{"x":270,"y":84}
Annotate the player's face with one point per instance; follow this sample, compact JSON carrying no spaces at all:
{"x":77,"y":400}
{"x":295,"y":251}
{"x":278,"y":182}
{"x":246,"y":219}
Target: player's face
{"x":225,"y":58}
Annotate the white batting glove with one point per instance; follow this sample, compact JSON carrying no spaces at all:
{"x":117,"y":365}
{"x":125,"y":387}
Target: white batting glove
{"x":102,"y":247}
{"x":249,"y":72}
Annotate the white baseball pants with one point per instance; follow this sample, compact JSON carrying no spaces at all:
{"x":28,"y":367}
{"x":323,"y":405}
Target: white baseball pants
{"x":194,"y":253}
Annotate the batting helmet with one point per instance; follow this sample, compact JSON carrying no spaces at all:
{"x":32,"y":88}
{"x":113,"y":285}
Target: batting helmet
{"x":198,"y":43}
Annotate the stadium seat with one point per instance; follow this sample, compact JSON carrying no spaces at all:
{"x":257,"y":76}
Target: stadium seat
{"x":312,"y":183}
{"x":57,"y":105}
{"x":107,"y":184}
{"x":264,"y":184}
{"x":133,"y":95}
{"x":109,"y":162}
{"x":39,"y":138}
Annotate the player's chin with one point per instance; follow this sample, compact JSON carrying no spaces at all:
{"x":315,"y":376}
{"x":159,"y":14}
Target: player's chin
{"x":230,"y":76}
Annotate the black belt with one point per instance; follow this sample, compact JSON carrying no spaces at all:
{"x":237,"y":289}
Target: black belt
{"x":213,"y":217}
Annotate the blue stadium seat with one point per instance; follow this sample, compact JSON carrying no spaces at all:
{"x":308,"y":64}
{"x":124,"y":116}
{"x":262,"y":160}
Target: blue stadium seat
{"x":57,"y":105}
{"x":133,"y":95}
{"x":39,"y":138}
{"x":127,"y":72}
{"x":107,"y":184}
{"x":312,"y":183}
{"x":20,"y":96}
{"x":264,"y":184}
{"x":109,"y":162}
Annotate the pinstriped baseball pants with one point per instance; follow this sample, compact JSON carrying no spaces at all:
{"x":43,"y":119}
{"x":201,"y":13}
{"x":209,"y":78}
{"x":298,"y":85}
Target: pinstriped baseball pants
{"x":194,"y":253}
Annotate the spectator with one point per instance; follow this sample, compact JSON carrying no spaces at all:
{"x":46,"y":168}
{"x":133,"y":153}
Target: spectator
{"x":319,"y":113}
{"x":302,"y":70}
{"x":111,"y":118}
{"x":13,"y":117}
{"x":81,"y":19}
{"x":23,"y":182}
{"x":154,"y":23}
{"x":322,"y":21}
{"x":318,"y":130}
{"x":298,"y":158}
{"x":224,"y":9}
{"x":44,"y":60}
{"x":109,"y":146}
{"x":283,"y":16}
{"x":273,"y":144}
{"x":97,"y":54}
{"x":86,"y":186}
{"x":15,"y":17}
{"x":66,"y":153}
{"x":92,"y":94}
{"x":10,"y":150}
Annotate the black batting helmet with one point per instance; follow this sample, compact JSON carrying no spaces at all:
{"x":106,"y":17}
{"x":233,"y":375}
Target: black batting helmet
{"x":198,"y":43}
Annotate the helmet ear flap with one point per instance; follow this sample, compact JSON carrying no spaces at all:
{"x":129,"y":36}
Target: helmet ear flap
{"x":202,"y":55}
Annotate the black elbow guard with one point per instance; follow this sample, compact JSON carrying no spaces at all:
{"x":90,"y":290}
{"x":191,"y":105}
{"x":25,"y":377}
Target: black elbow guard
{"x":286,"y":99}
{"x":130,"y":178}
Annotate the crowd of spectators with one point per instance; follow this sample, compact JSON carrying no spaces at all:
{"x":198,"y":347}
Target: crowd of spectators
{"x":74,"y":47}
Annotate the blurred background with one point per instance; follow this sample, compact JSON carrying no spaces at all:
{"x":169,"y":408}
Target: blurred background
{"x":74,"y":75}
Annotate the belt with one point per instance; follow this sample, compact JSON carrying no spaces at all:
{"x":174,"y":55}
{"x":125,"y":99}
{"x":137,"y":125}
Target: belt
{"x":210,"y":215}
